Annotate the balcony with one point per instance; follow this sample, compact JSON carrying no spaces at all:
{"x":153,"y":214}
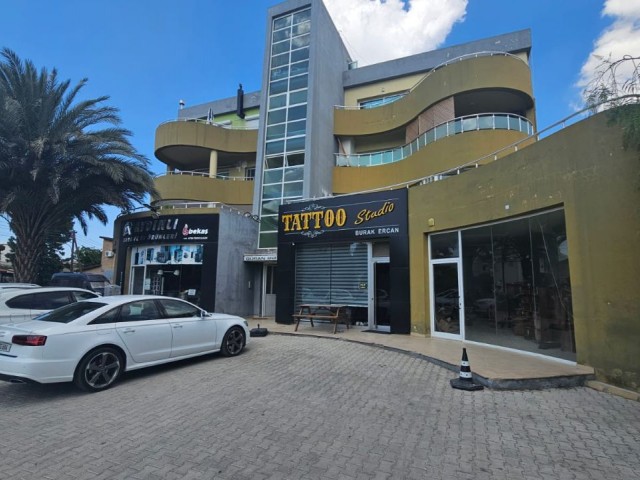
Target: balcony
{"x":470,"y":123}
{"x":494,"y":81}
{"x":200,"y":187}
{"x":187,"y":144}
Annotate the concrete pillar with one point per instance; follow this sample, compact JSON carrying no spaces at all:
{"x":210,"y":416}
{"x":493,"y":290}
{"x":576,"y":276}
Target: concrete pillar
{"x":213,"y":163}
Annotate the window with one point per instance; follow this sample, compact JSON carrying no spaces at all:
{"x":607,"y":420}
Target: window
{"x":176,"y":309}
{"x":41,"y":301}
{"x":139,"y":311}
{"x":109,"y":317}
{"x":250,"y":173}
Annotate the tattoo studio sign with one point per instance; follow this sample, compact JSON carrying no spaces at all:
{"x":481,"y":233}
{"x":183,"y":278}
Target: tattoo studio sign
{"x":380,"y":214}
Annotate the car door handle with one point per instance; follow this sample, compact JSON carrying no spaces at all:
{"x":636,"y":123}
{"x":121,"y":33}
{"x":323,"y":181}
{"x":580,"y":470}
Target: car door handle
{"x":177,"y":326}
{"x":129,"y":330}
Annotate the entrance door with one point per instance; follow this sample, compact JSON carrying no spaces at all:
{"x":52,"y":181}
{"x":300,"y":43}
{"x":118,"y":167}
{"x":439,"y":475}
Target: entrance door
{"x":447,"y":304}
{"x":269,"y":297}
{"x":379,"y":307}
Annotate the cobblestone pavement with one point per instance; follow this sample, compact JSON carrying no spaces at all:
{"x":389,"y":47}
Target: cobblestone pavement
{"x":310,"y":408}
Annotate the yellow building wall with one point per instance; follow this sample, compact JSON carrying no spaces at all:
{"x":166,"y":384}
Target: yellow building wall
{"x":584,"y":169}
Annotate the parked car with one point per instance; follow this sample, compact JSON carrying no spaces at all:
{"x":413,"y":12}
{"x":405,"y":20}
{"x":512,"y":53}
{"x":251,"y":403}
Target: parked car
{"x":13,"y":286}
{"x":89,"y":281}
{"x":22,"y":305}
{"x":92,"y":342}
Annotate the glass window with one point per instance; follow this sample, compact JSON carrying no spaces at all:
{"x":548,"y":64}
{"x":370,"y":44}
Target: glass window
{"x":281,"y":35}
{"x":294,"y":144}
{"x":274,"y":147}
{"x":273,"y":176}
{"x":299,"y":42}
{"x":142,"y":310}
{"x":272,"y":191}
{"x":300,"y":54}
{"x":277,"y":101}
{"x":282,"y":22}
{"x":278,"y":48}
{"x":270,"y":207}
{"x":444,"y":245}
{"x":268,"y":239}
{"x":69,"y":312}
{"x":278,"y":87}
{"x":298,"y":97}
{"x":293,"y":173}
{"x":296,"y":113}
{"x":275,"y":162}
{"x":280,"y":60}
{"x":299,"y":82}
{"x":276,"y":116}
{"x":302,"y":16}
{"x":295,"y":159}
{"x":23,"y":301}
{"x":293,"y":189}
{"x":109,"y":317}
{"x":177,"y":309}
{"x":270,"y":222}
{"x":276,"y":131}
{"x":296,"y":128}
{"x":279,"y":72}
{"x":299,"y":68}
{"x":301,"y":28}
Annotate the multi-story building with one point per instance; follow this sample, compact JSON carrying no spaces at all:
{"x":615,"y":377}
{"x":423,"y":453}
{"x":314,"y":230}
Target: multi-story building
{"x":418,"y":193}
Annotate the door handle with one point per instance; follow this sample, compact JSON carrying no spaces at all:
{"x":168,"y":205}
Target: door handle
{"x":129,"y":330}
{"x":177,"y":326}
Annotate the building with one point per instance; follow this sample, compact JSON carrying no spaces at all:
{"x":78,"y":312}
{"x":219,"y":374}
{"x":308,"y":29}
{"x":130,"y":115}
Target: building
{"x":418,"y":193}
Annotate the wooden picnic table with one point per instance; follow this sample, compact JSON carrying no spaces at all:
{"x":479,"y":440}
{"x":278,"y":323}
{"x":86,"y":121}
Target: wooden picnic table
{"x":332,"y":313}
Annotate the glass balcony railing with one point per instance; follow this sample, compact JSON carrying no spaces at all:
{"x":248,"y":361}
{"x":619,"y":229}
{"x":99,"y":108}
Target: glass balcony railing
{"x":485,"y":121}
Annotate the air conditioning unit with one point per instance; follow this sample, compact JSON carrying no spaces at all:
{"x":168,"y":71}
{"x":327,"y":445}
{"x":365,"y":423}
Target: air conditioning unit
{"x":108,"y":254}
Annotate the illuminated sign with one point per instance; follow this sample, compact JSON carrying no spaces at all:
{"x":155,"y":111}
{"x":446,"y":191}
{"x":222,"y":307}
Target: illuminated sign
{"x":170,"y":229}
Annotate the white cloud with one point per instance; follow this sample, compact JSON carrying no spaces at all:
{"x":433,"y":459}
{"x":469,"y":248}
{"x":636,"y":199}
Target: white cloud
{"x":379,"y":30}
{"x":620,"y":39}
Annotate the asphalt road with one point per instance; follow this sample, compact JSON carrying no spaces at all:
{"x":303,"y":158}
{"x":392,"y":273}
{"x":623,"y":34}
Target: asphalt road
{"x":312,"y":408}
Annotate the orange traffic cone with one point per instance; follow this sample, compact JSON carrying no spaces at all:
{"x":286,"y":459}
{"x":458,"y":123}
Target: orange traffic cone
{"x":465,"y":381}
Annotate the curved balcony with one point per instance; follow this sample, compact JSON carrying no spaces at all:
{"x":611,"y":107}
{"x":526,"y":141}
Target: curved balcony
{"x":200,"y":187}
{"x":505,"y":79}
{"x":187,"y":144}
{"x":470,"y":123}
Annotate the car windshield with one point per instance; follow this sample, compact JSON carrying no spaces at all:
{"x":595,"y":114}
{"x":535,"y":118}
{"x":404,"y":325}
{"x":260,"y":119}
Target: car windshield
{"x":70,"y":312}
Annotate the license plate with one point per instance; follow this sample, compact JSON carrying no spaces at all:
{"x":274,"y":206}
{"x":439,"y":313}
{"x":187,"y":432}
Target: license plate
{"x":5,"y":347}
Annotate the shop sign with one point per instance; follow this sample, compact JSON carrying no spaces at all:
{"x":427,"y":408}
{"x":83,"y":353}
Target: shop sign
{"x":380,"y":214}
{"x":174,"y":228}
{"x":272,"y":257}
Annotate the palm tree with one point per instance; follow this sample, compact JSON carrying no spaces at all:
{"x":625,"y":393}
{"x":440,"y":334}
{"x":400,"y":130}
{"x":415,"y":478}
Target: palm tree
{"x":61,"y":159}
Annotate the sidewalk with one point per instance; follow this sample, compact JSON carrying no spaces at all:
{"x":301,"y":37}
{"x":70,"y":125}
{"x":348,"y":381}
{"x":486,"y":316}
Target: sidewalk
{"x":492,"y":367}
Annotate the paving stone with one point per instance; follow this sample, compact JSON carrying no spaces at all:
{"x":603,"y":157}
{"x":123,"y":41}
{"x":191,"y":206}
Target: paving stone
{"x":313,"y":408}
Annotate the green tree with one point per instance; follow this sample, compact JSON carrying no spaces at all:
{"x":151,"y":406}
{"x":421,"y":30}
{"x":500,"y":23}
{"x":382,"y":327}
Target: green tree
{"x":615,"y":87}
{"x":88,"y":257}
{"x":61,"y":159}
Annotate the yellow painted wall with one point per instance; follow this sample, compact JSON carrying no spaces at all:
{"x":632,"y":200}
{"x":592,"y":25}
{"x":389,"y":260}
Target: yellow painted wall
{"x":498,"y":72}
{"x":584,"y":169}
{"x":210,"y":137}
{"x":205,"y":189}
{"x":436,"y":157}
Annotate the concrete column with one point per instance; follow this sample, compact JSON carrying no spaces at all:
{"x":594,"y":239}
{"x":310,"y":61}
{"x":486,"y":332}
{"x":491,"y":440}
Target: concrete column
{"x":213,"y":163}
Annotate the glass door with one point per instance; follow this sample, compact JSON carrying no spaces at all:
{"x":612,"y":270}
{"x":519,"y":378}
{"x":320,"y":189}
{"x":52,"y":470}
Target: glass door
{"x":379,"y":311}
{"x":447,"y":298}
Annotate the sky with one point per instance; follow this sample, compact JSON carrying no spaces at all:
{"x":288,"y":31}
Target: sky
{"x":147,"y":55}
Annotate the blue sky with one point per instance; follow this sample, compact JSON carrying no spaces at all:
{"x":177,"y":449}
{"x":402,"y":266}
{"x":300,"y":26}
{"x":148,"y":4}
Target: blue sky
{"x":148,"y":54}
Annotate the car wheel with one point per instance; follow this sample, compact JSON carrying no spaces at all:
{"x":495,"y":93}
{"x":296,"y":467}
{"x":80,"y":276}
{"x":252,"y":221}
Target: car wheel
{"x":233,"y":342}
{"x":99,"y":369}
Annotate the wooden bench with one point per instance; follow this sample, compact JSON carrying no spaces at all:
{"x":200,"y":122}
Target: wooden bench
{"x":332,"y":313}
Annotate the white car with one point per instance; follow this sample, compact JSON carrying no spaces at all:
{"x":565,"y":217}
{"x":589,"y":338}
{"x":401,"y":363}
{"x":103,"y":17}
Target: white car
{"x":11,"y":286}
{"x":94,"y":341}
{"x":22,"y":305}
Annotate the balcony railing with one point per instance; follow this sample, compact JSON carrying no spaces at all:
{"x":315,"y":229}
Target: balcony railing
{"x":434,"y":69}
{"x":202,"y":173}
{"x":484,"y":121}
{"x":210,"y":122}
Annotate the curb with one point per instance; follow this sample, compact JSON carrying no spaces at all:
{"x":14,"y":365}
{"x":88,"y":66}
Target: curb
{"x":617,"y":391}
{"x":566,"y":381}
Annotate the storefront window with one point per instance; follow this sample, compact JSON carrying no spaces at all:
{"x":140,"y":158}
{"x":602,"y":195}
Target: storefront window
{"x":517,"y":290}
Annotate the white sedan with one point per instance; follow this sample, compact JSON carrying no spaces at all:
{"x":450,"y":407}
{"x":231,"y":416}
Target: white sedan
{"x":93,"y":342}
